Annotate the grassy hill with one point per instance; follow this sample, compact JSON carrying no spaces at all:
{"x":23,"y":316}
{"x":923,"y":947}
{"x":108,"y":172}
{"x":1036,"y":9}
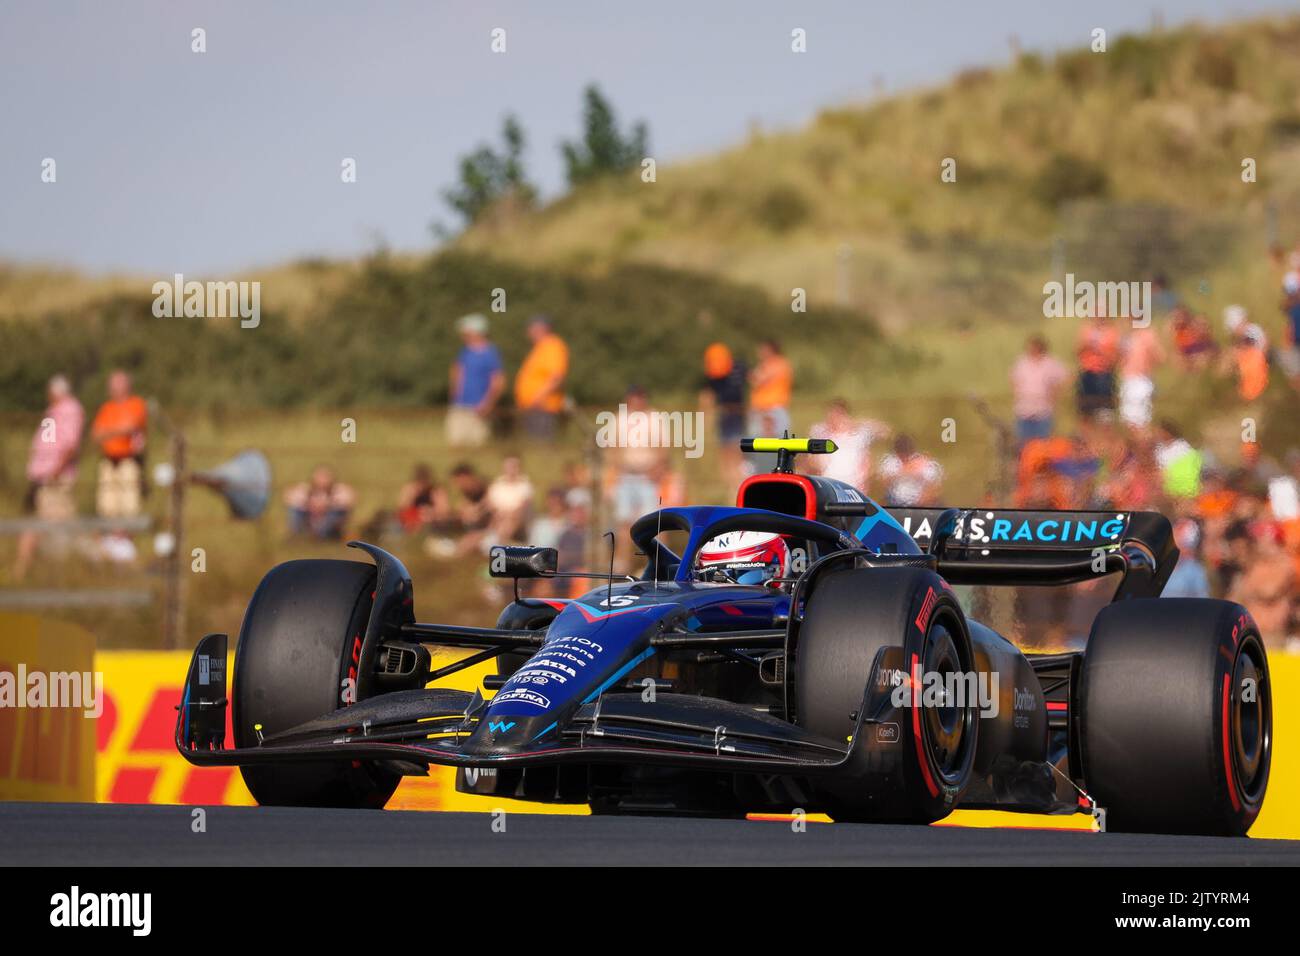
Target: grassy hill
{"x":1143,"y":139}
{"x":1113,"y":166}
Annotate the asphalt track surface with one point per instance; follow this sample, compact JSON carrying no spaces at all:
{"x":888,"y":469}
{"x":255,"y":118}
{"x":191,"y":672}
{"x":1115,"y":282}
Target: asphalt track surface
{"x":118,"y":835}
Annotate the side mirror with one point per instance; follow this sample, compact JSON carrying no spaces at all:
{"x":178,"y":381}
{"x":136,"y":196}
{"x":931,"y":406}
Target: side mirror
{"x":508,"y":561}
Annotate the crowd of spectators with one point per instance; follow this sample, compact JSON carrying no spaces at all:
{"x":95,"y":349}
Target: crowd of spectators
{"x":118,"y":433}
{"x":1237,"y":516}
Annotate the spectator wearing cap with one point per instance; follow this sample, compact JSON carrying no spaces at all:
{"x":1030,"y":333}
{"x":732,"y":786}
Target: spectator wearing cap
{"x":1249,"y":352}
{"x":52,"y":466}
{"x":1036,"y":382}
{"x":477,"y":381}
{"x":539,"y":385}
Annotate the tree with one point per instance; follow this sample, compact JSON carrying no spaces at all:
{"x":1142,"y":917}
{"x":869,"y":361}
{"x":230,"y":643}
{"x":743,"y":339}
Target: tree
{"x":603,"y":149}
{"x":488,"y":176}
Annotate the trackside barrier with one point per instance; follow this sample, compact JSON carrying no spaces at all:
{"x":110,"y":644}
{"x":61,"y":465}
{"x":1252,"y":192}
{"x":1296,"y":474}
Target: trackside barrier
{"x":137,"y":760}
{"x":47,"y":743}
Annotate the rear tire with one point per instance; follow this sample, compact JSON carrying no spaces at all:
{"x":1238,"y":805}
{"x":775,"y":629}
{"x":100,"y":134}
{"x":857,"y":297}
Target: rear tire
{"x":1171,"y":741}
{"x":300,"y":642}
{"x":850,"y":616}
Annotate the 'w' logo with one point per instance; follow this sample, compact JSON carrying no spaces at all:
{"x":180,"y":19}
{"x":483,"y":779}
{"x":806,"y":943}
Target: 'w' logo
{"x":499,"y":726}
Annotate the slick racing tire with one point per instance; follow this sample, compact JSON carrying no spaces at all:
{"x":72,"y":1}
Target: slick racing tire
{"x":299,"y":647}
{"x":849,"y":617}
{"x":1176,"y":716}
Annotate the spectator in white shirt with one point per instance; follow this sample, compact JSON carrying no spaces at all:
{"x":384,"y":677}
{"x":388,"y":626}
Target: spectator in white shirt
{"x":853,"y":438}
{"x":912,"y":480}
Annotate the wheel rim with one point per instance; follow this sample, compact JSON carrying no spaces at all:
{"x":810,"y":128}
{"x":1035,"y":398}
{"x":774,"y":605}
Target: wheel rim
{"x":946,"y":725}
{"x":1250,"y":730}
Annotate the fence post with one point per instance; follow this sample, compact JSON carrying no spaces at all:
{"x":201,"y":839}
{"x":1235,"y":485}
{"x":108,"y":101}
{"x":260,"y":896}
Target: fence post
{"x":173,"y":586}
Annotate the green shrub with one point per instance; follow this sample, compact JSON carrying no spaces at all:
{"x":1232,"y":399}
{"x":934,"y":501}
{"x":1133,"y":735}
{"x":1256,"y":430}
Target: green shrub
{"x":388,"y":337}
{"x":1215,"y":64}
{"x":782,"y":208}
{"x":1066,"y":177}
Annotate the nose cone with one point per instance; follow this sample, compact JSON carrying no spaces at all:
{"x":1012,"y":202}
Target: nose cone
{"x":502,"y":735}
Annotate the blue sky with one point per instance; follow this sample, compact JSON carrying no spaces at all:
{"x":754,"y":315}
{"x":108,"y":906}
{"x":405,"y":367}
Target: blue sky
{"x":170,"y":161}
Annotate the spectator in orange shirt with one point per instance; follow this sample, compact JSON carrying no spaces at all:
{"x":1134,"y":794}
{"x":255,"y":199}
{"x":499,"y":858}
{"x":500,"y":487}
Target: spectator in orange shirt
{"x":1249,"y":353}
{"x":1098,"y":351}
{"x":1193,"y":340}
{"x":539,"y":386}
{"x":1038,"y":483}
{"x":119,"y":430}
{"x":770,"y":383}
{"x":1217,"y":500}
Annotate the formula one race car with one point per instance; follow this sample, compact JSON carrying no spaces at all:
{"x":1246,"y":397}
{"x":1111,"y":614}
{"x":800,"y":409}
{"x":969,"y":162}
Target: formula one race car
{"x":804,"y":649}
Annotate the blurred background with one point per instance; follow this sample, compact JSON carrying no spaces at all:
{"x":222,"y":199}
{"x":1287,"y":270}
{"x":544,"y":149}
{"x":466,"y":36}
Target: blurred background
{"x":380,"y":175}
{"x":472,"y":231}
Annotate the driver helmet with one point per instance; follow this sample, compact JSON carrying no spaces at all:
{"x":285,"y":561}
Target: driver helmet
{"x":743,"y":557}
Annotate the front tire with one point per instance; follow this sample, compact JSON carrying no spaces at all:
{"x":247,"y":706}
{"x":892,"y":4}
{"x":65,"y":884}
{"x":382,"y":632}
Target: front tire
{"x":850,"y":616}
{"x":1176,"y":716}
{"x":299,"y":647}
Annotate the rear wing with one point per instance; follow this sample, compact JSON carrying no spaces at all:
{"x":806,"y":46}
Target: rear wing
{"x":1012,"y":547}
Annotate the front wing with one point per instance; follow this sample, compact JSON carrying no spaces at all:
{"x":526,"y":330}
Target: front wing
{"x":430,"y":725}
